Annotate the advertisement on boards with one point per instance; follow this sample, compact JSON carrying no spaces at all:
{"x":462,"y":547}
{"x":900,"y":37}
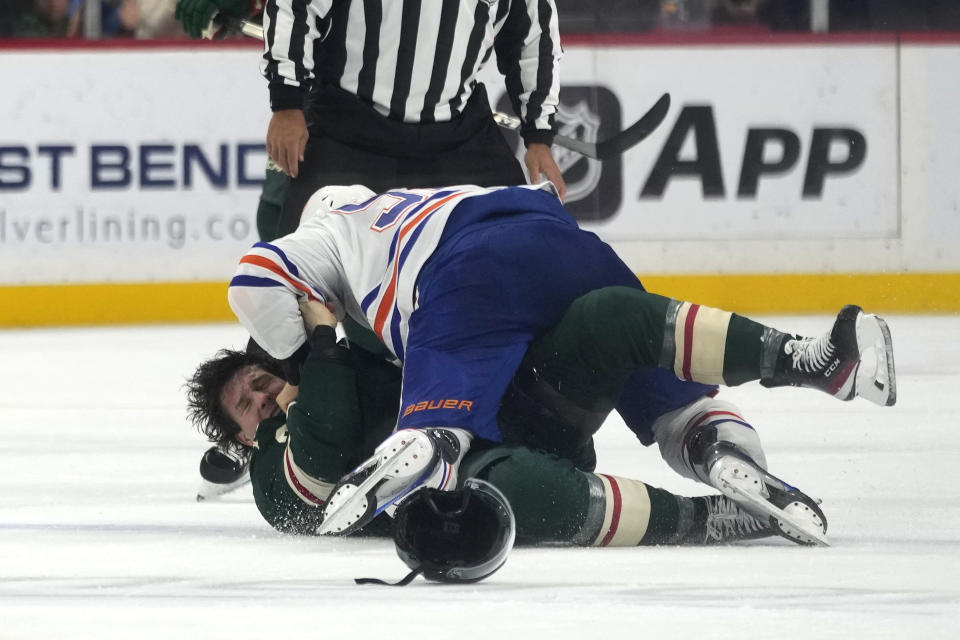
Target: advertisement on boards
{"x":145,"y":164}
{"x":791,"y":142}
{"x":129,"y":165}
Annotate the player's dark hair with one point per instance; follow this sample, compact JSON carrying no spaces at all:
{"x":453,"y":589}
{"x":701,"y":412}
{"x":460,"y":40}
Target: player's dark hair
{"x":206,"y":385}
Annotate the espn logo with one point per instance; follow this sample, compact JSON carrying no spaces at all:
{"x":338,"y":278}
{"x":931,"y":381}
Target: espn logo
{"x":431,"y":405}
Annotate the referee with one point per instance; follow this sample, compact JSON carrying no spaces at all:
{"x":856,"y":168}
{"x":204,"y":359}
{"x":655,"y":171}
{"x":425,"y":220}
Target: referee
{"x":384,"y":93}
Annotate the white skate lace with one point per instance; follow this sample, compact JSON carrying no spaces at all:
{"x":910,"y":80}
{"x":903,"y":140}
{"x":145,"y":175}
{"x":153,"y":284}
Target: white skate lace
{"x":810,"y":354}
{"x":727,"y":521}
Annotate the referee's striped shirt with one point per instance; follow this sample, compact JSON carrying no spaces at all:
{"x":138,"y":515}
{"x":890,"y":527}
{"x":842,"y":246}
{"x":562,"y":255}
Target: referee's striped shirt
{"x":415,"y":60}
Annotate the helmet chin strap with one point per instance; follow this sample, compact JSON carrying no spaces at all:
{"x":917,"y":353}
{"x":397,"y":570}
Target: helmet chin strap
{"x":402,"y":583}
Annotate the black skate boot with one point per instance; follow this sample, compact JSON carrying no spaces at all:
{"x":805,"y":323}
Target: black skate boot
{"x":785,"y":509}
{"x":854,"y":359}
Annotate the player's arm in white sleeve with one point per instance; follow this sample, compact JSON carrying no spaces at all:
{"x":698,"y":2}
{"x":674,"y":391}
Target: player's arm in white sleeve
{"x":270,"y":314}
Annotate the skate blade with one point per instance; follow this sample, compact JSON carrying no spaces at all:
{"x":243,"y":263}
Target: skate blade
{"x":212,"y":490}
{"x":878,"y":383}
{"x":352,"y":507}
{"x":347,"y":510}
{"x":793,"y":523}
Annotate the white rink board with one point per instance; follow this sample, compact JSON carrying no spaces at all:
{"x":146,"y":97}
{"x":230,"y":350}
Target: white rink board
{"x":81,"y":219}
{"x":129,"y":219}
{"x":931,"y":155}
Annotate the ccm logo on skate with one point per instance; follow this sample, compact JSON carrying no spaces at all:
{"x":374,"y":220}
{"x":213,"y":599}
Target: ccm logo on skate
{"x":833,"y":367}
{"x":430,"y":405}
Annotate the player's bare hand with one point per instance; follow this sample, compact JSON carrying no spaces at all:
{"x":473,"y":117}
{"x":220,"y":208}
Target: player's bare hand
{"x":541,"y":166}
{"x":287,"y":395}
{"x":316,"y":313}
{"x":286,"y":139}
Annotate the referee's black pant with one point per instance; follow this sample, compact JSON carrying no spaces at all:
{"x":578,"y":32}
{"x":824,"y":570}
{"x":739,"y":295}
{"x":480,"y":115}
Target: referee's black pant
{"x":350,"y":143}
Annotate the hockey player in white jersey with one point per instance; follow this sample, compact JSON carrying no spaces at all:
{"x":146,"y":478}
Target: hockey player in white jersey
{"x":457,"y":283}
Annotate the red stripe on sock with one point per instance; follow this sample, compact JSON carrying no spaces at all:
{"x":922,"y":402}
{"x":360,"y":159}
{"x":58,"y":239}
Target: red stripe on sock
{"x":617,"y":506}
{"x":688,"y":339}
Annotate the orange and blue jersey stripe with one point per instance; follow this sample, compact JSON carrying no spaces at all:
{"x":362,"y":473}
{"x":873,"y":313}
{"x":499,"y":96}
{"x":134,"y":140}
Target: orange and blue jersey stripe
{"x":403,"y":243}
{"x":270,"y":267}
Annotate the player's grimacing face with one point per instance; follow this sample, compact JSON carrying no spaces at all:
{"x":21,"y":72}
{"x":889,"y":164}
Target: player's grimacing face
{"x":249,"y":398}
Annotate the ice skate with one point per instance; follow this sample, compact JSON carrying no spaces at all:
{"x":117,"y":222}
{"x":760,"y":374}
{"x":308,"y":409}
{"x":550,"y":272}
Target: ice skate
{"x":854,"y":359}
{"x":789,"y":512}
{"x":406,"y":461}
{"x":727,"y":522}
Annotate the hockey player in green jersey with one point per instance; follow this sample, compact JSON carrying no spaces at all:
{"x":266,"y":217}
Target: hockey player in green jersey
{"x":348,"y":402}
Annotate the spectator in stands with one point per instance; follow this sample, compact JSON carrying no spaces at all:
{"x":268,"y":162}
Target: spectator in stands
{"x":157,"y":20}
{"x":885,"y":15}
{"x":35,"y":19}
{"x":578,"y":16}
{"x":778,"y":15}
{"x":118,"y":18}
{"x":685,"y":14}
{"x":736,"y":12}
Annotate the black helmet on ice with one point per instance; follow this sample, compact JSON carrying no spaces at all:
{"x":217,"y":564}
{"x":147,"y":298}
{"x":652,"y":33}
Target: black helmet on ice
{"x":455,"y":536}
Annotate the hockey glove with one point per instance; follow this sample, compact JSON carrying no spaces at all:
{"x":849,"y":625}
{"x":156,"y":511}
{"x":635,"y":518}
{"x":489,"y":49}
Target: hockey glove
{"x":195,"y":15}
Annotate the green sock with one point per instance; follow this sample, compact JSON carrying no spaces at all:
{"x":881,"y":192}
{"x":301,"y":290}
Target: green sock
{"x":667,"y":512}
{"x":742,"y":355}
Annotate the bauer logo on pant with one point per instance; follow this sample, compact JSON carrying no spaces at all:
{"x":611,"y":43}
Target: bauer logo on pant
{"x":433,"y":405}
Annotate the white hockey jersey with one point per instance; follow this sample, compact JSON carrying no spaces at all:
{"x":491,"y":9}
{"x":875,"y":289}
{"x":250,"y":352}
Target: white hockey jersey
{"x":357,"y":250}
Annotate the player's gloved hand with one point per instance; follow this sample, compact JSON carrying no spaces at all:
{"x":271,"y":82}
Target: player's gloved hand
{"x":195,"y":15}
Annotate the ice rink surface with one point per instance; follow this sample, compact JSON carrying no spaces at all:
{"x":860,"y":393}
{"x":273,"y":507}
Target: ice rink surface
{"x":101,"y":537}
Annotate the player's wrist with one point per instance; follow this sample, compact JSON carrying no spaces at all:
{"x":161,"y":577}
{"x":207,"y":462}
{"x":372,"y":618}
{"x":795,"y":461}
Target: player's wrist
{"x":324,"y":346}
